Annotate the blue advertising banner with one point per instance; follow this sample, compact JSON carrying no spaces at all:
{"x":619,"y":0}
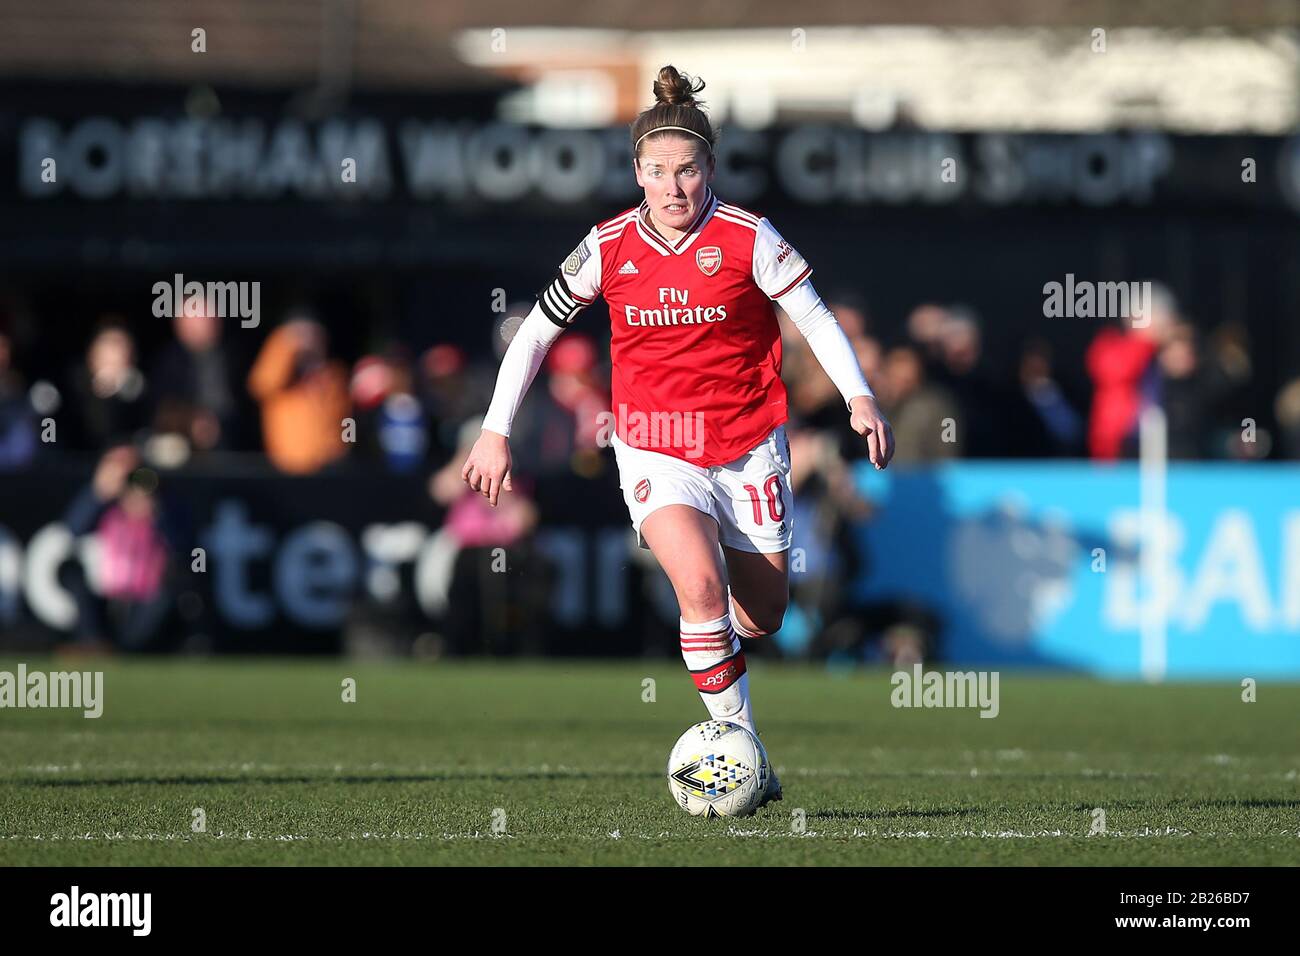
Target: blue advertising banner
{"x":1039,"y":564}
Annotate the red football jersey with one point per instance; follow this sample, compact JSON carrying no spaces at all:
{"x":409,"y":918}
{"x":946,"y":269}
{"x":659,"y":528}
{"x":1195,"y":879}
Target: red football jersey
{"x":695,"y":343}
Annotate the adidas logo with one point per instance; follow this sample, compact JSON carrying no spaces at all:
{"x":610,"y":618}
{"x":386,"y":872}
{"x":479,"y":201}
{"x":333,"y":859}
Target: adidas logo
{"x":627,"y":269}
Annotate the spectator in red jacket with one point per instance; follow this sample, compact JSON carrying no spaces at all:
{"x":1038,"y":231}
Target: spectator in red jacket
{"x":1120,"y":363}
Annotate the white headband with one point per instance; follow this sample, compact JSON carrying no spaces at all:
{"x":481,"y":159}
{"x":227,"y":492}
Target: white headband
{"x":658,"y":128}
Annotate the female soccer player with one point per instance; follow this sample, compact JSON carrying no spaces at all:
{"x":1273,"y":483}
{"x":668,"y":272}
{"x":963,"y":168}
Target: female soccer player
{"x":699,"y":406}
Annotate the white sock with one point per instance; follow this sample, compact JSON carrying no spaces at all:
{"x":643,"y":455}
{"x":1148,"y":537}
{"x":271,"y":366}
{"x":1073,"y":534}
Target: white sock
{"x":712,"y":653}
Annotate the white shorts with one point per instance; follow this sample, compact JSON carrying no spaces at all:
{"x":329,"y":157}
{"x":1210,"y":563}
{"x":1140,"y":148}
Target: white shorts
{"x":750,"y":498}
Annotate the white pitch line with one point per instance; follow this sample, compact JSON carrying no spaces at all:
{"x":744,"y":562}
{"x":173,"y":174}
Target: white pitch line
{"x":733,"y":832}
{"x":1029,"y":769}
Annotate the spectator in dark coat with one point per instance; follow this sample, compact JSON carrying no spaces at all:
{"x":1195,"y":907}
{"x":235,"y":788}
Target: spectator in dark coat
{"x":108,"y":390}
{"x":197,"y":388}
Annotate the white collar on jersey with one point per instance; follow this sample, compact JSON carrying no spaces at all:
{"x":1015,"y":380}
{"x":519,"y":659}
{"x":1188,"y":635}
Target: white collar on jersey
{"x":662,"y":245}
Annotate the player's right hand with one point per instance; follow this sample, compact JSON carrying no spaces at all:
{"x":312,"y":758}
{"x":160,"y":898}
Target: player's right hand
{"x":487,"y":469}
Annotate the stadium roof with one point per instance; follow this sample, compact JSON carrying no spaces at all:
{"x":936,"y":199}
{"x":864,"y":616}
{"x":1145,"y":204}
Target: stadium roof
{"x":383,"y":43}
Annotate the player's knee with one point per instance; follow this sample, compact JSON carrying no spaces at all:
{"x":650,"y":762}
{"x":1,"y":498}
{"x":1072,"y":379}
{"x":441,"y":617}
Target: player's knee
{"x":762,"y":617}
{"x":769,"y":617}
{"x":704,"y":596}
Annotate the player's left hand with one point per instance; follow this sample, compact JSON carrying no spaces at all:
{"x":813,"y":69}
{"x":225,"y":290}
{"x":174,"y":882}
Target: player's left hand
{"x":866,"y":419}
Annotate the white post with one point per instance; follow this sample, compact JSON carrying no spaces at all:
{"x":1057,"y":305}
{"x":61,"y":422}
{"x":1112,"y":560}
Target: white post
{"x":1152,"y":469}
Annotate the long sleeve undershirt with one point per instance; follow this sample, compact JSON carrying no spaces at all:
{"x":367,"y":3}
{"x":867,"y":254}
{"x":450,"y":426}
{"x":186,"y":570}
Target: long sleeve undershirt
{"x":811,"y":317}
{"x":826,"y":338}
{"x":519,"y":367}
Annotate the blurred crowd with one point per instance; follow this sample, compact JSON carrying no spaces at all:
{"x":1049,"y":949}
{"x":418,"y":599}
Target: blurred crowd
{"x":935,"y":385}
{"x":213,"y":389}
{"x":207,"y":390}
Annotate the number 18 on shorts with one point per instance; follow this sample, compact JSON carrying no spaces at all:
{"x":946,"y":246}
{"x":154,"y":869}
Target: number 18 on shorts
{"x":750,"y":498}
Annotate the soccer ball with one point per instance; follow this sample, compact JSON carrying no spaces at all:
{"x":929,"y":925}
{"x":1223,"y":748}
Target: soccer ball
{"x":718,"y":769}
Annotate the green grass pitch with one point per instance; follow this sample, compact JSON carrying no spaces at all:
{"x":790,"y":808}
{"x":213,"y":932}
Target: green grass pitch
{"x":570,"y":759}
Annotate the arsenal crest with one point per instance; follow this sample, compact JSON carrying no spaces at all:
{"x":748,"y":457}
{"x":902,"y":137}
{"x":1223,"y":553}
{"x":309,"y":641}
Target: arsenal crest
{"x":709,"y":259}
{"x":642,"y":490}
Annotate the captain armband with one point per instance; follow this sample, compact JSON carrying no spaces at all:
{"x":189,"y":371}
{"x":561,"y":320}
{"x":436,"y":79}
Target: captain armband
{"x":560,"y":305}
